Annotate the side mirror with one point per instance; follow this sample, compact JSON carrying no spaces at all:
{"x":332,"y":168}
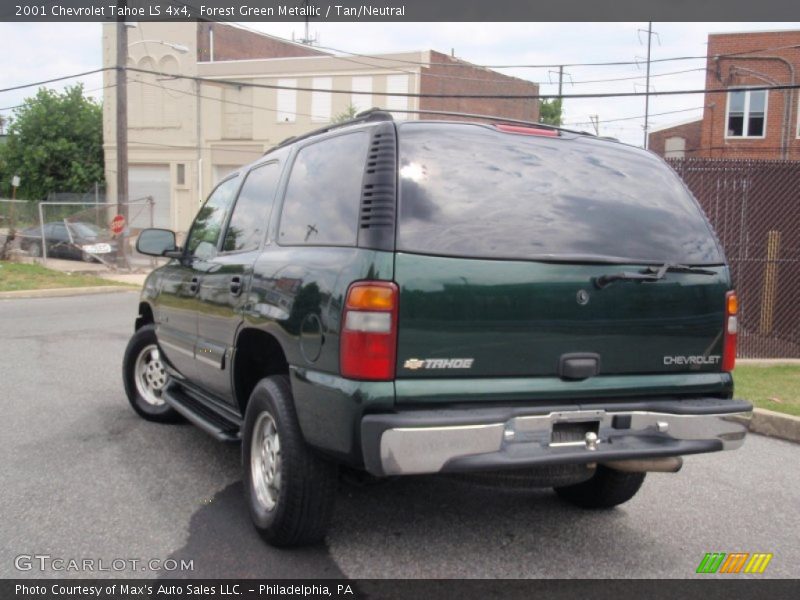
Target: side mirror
{"x":156,"y":242}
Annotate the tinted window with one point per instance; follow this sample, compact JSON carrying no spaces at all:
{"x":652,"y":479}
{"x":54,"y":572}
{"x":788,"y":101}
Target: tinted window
{"x":59,"y":231}
{"x":208,"y":222}
{"x":84,"y":229}
{"x":324,"y":192}
{"x":251,"y":212}
{"x":468,"y":190}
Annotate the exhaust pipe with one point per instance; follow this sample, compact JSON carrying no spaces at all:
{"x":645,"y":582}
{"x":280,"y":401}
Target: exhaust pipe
{"x":670,"y":464}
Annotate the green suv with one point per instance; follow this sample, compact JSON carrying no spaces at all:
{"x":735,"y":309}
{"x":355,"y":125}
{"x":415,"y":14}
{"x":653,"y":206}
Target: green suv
{"x":441,"y":297}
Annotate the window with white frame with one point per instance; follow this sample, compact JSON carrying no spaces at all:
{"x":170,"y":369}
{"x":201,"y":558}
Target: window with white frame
{"x":286,"y":101}
{"x":321,"y":101}
{"x":361,"y":102}
{"x":747,"y":113}
{"x":397,"y":84}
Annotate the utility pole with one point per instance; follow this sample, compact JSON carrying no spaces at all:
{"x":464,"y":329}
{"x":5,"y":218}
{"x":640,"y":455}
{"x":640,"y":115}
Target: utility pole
{"x":561,"y":75}
{"x":647,"y":82}
{"x":122,"y":128}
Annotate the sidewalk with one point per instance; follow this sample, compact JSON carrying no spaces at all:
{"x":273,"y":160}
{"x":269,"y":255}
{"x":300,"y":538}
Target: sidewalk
{"x":98,"y":269}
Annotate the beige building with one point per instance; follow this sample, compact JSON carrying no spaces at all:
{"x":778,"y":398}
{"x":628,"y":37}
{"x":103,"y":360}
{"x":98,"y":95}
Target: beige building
{"x":185,"y":135}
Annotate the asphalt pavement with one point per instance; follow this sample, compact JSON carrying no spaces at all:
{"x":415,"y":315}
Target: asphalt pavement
{"x":82,"y":477}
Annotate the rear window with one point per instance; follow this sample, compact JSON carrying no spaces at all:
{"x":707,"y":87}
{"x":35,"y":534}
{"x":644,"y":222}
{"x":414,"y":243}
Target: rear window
{"x":471,"y":191}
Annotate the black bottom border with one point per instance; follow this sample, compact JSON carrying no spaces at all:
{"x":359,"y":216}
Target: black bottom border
{"x":708,"y":587}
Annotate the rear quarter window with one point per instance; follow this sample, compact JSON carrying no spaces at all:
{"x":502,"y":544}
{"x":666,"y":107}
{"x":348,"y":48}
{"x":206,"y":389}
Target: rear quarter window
{"x":472,"y":191}
{"x":323,"y":195}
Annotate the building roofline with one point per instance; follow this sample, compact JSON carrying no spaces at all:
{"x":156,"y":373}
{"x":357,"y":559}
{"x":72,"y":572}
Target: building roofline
{"x":386,"y":57}
{"x":675,"y":124}
{"x":274,"y":37}
{"x":754,"y":31}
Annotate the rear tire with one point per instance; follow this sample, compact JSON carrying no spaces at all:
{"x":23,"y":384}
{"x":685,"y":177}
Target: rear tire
{"x":607,"y":488}
{"x":35,"y":250}
{"x":290,"y":489}
{"x":145,"y":377}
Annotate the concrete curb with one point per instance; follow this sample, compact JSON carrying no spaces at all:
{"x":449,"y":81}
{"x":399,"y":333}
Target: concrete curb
{"x":767,"y":362}
{"x":774,"y":424}
{"x":64,"y":292}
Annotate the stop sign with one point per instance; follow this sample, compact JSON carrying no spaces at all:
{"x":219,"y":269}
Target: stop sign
{"x":118,"y":224}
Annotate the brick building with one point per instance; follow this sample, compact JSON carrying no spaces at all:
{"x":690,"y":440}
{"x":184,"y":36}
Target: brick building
{"x":680,"y":140}
{"x":185,"y":135}
{"x":745,"y":124}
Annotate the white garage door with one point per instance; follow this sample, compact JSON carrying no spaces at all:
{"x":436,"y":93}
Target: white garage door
{"x":150,"y":180}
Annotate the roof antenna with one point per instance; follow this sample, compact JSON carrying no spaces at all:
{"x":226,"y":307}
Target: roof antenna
{"x":307,"y":39}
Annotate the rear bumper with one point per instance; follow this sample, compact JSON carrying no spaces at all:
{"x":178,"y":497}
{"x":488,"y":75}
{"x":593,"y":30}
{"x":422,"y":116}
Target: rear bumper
{"x":433,"y":441}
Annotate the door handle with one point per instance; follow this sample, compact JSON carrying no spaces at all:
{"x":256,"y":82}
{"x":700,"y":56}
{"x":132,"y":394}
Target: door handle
{"x":236,"y":285}
{"x":194,"y":285}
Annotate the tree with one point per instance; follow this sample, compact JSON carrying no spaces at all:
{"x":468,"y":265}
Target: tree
{"x":55,"y":143}
{"x":350,"y":112}
{"x":550,"y":111}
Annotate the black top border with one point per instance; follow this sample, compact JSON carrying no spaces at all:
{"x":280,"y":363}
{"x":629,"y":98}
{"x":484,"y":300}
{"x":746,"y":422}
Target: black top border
{"x":398,"y":10}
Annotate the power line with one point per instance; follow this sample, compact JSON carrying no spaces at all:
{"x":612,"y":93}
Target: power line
{"x":221,"y":100}
{"x":238,"y":83}
{"x":681,"y":72}
{"x":669,"y":112}
{"x":76,"y":75}
{"x":105,"y":87}
{"x":463,"y":63}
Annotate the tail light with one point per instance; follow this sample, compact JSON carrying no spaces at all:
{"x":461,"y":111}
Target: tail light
{"x":368,"y":343}
{"x":730,"y":333}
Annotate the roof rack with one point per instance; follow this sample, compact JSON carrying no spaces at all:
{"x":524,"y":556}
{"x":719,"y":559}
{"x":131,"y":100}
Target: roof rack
{"x":373,"y":114}
{"x":379,"y":114}
{"x":495,"y":118}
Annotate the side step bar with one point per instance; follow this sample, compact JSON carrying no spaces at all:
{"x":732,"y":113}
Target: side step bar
{"x":203,"y":414}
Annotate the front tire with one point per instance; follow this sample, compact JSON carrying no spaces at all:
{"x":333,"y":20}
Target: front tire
{"x":146,"y":378}
{"x":607,"y":488}
{"x":290,"y":489}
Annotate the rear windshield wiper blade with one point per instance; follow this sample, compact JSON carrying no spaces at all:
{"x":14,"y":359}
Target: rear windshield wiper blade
{"x":653,"y":273}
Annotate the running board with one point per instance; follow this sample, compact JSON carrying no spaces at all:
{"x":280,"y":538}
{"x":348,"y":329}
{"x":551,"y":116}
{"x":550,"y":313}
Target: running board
{"x":203,"y":414}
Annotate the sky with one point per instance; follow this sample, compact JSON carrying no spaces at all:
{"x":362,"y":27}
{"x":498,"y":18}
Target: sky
{"x":40,"y":51}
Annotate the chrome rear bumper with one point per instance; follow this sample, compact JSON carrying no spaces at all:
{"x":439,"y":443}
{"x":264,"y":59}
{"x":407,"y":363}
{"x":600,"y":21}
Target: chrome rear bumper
{"x":392,"y":447}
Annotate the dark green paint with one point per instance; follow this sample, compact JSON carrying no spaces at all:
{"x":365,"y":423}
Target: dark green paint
{"x":517,"y":318}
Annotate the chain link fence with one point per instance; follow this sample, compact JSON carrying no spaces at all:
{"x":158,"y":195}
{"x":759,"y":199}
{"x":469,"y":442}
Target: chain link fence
{"x":77,"y":231}
{"x":754,"y":206}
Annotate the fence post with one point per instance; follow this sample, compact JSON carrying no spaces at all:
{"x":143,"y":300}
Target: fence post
{"x":41,"y":228}
{"x":770,"y":288}
{"x":151,"y":209}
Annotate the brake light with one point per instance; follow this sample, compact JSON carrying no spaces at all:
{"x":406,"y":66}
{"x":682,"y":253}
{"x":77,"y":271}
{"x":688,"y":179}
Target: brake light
{"x":528,"y":130}
{"x":729,"y":335}
{"x":368,"y":343}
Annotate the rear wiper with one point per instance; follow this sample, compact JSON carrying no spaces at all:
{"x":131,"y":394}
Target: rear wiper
{"x":652,"y":273}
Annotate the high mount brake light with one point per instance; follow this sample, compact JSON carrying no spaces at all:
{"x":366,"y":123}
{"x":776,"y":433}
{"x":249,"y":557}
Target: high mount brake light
{"x":730,"y":333}
{"x":368,"y":342}
{"x":527,"y":130}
